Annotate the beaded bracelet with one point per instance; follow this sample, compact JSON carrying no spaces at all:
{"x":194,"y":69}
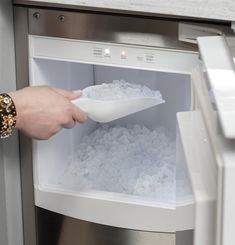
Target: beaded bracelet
{"x":7,"y":115}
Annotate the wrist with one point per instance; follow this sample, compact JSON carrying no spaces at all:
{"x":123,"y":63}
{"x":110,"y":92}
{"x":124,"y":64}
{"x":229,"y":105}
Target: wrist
{"x":7,"y":115}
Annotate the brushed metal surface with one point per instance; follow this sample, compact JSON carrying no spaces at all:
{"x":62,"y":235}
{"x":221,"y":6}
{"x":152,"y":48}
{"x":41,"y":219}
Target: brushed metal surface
{"x":107,"y":28}
{"x":11,"y":231}
{"x":56,"y":229}
{"x":22,"y":80}
{"x":184,"y":237}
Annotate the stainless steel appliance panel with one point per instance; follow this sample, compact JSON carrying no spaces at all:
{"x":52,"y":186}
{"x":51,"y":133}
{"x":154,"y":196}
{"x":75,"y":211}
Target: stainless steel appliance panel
{"x":54,"y":229}
{"x":106,"y":28}
{"x":22,"y":80}
{"x":49,"y":228}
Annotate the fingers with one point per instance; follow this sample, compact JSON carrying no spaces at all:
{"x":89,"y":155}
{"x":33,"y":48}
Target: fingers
{"x":78,"y":115}
{"x":74,"y":115}
{"x":70,"y":124}
{"x":71,"y":95}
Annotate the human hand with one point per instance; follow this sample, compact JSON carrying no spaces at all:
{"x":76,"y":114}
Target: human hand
{"x":42,"y":111}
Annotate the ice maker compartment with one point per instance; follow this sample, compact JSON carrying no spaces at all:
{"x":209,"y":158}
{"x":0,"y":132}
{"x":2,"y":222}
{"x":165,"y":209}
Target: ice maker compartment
{"x":128,"y":164}
{"x":134,"y":155}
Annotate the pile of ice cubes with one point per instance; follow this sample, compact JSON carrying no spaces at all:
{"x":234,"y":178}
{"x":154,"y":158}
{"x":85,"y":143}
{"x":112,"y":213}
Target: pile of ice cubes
{"x":133,"y":160}
{"x":120,"y":89}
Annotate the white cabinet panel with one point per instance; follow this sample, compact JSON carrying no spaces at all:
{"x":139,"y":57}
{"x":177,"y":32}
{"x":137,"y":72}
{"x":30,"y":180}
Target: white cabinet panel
{"x":200,"y":160}
{"x":220,"y":70}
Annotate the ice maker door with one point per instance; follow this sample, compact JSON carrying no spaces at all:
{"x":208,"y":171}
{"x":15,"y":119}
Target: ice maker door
{"x":219,"y":69}
{"x":195,"y":150}
{"x":214,"y":84}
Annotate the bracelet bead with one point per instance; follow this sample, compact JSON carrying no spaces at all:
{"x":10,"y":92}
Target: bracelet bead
{"x":7,"y":115}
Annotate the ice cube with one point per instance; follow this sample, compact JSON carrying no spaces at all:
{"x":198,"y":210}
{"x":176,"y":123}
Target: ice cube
{"x":132,"y":160}
{"x":119,"y":90}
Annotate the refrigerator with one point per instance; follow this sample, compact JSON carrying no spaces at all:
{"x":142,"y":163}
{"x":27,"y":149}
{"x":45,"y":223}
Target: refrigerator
{"x":173,"y":187}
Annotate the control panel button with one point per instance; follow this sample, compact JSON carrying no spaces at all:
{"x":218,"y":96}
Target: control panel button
{"x":107,"y":52}
{"x":150,"y":58}
{"x":97,"y":52}
{"x":123,"y":54}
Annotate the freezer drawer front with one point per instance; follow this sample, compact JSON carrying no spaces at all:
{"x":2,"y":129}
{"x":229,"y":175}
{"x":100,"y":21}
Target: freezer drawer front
{"x":200,"y":160}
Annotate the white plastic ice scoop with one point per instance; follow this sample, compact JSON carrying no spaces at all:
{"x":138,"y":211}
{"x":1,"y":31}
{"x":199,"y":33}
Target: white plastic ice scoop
{"x":107,"y":102}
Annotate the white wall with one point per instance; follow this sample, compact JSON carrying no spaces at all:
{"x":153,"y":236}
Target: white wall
{"x":10,"y":190}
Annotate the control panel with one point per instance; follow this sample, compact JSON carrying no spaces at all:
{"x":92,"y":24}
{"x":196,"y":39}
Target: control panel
{"x":110,"y":54}
{"x":124,"y":53}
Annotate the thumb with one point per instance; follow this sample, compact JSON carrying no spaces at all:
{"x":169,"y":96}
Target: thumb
{"x":71,"y":95}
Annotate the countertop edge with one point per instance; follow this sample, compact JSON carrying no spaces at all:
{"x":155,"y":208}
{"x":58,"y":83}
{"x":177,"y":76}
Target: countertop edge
{"x":177,"y":12}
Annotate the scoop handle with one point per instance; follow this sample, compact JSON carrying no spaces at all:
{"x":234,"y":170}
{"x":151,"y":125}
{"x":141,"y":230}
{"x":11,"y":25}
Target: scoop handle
{"x":82,"y":103}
